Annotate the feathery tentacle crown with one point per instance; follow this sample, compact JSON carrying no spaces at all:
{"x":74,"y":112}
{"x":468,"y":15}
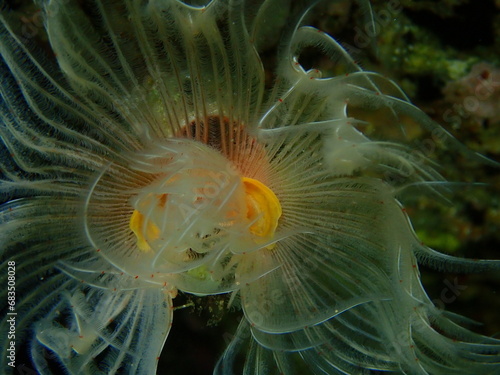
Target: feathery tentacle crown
{"x":153,"y":159}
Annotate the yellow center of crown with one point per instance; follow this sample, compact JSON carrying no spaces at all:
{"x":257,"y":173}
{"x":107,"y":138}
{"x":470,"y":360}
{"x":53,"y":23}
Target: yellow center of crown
{"x":263,"y":210}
